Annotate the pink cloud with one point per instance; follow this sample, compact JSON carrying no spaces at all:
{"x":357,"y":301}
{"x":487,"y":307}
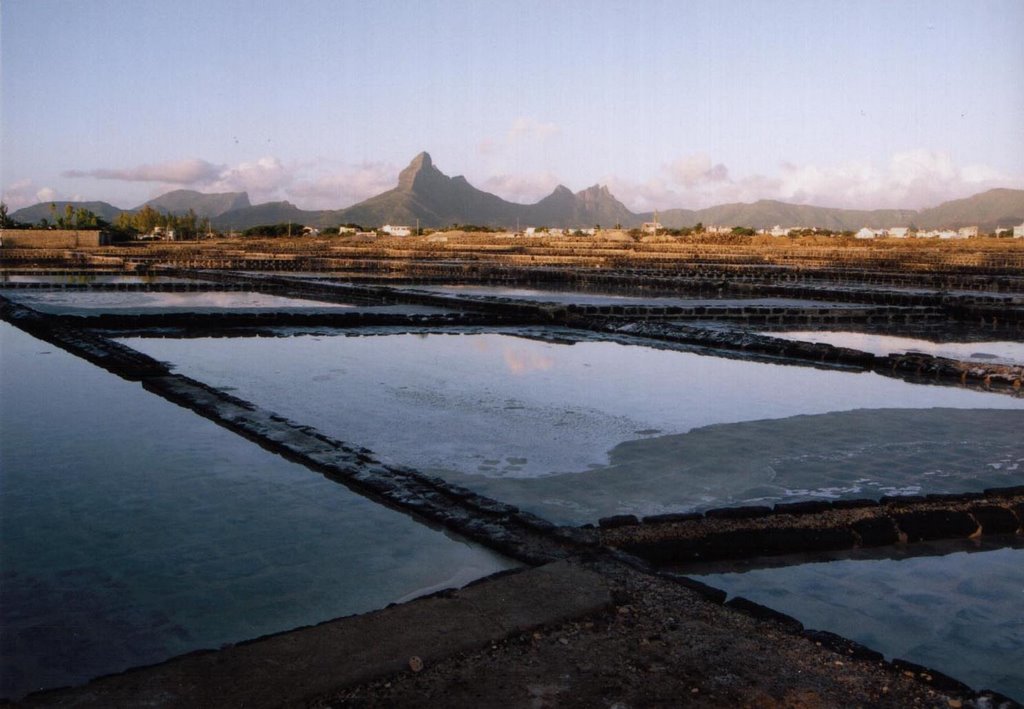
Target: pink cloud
{"x":180,"y":172}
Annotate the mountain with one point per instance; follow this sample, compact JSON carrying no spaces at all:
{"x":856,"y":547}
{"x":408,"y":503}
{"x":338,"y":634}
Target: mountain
{"x":427,"y":196}
{"x":766,"y":213}
{"x":268,"y":213}
{"x":998,"y":207}
{"x":40,"y":211}
{"x":179,"y":202}
{"x":589,"y":207}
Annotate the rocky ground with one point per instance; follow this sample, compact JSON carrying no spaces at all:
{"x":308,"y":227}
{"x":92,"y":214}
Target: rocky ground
{"x":658,"y":645}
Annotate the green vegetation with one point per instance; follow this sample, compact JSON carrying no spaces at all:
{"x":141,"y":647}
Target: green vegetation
{"x":71,"y":218}
{"x":283,"y":229}
{"x":5,"y":220}
{"x":472,"y":228}
{"x":148,"y":220}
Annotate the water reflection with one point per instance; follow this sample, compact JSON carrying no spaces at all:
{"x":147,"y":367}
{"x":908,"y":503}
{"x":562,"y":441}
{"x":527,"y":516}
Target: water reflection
{"x":959,"y":613}
{"x":567,"y":431}
{"x":83,"y":279}
{"x":598,"y":297}
{"x":89,"y":303}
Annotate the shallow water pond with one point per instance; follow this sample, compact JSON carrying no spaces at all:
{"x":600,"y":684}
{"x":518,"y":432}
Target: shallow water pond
{"x":574,"y":432}
{"x":91,"y":303}
{"x":602,"y":298}
{"x":78,"y":279}
{"x":144,"y":303}
{"x":959,"y":613}
{"x":132,"y":530}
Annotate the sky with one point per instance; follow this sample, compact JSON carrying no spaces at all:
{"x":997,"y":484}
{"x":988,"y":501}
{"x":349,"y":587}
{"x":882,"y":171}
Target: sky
{"x":858,"y":103}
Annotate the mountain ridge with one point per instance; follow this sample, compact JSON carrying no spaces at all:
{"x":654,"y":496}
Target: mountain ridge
{"x":426,"y":196}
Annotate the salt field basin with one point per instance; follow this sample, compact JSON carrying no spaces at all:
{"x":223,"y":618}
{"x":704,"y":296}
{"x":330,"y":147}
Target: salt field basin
{"x":77,"y":279}
{"x":958,"y":613}
{"x":580,"y":297}
{"x":990,"y":351}
{"x":577,"y":431}
{"x":132,"y":530}
{"x":137,"y":303}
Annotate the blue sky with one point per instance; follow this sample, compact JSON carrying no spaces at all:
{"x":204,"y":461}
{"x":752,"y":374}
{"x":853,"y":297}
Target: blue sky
{"x":857,"y":104}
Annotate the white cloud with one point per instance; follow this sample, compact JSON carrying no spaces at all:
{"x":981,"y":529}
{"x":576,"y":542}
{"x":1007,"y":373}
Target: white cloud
{"x":179,"y":172}
{"x":911,"y":180}
{"x":46,"y":194}
{"x":25,"y":193}
{"x":263,"y":179}
{"x":524,"y":189}
{"x":344,"y":187}
{"x":694,"y":169}
{"x":528,"y":128}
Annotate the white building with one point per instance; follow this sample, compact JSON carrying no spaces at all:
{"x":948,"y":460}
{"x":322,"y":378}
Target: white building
{"x":651,"y":227}
{"x":1018,"y":232}
{"x":949,"y":234}
{"x":779,"y":231}
{"x":347,"y":230}
{"x":899,"y":232}
{"x":968,"y":232}
{"x":310,"y":231}
{"x":392,"y":230}
{"x":865,"y":233}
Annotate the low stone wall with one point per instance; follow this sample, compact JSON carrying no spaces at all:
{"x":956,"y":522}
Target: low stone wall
{"x":916,"y":367}
{"x":53,"y":238}
{"x":744,"y":532}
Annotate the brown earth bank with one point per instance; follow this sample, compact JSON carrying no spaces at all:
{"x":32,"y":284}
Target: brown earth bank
{"x":610,"y":249}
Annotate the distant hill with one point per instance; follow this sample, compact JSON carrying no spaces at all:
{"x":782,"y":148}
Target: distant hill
{"x":40,"y":211}
{"x":179,"y":202}
{"x":267,"y":213}
{"x":988,"y":210}
{"x":426,"y":195}
{"x":766,"y":213}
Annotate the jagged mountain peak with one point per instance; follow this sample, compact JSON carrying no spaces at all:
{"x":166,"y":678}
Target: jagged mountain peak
{"x":419,"y":170}
{"x":597,"y":194}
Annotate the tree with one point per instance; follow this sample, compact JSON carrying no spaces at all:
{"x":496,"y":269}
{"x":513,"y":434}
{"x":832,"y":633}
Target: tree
{"x":187,"y":223}
{"x":146,"y":219}
{"x":5,"y":221}
{"x":85,"y":219}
